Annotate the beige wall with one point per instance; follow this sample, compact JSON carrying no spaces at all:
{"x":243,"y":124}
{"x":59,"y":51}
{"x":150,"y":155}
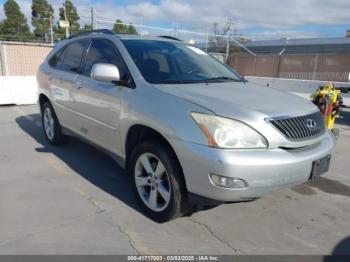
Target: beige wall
{"x":22,"y":59}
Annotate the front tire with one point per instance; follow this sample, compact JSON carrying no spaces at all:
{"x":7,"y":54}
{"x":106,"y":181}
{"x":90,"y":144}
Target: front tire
{"x":158,"y":182}
{"x":51,"y":126}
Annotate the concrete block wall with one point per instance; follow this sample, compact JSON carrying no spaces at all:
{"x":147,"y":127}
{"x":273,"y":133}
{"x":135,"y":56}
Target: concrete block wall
{"x":22,"y":59}
{"x":19,"y":90}
{"x":19,"y":63}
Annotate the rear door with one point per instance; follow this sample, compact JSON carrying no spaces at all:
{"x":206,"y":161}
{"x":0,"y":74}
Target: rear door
{"x":65,"y":66}
{"x":98,"y":102}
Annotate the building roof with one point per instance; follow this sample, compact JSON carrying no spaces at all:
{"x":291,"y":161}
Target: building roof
{"x":301,"y":46}
{"x":295,"y":42}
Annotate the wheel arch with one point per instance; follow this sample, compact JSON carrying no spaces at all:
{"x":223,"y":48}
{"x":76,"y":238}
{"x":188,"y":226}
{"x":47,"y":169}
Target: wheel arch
{"x":42,"y":100}
{"x":138,"y":134}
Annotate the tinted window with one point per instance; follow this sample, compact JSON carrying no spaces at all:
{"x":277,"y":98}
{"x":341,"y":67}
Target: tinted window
{"x":103,"y":51}
{"x":54,"y":59}
{"x":172,"y":62}
{"x":160,"y":58}
{"x":72,"y":55}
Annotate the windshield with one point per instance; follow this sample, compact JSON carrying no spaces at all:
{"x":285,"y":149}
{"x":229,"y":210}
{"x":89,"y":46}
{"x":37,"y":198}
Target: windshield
{"x":170,"y":62}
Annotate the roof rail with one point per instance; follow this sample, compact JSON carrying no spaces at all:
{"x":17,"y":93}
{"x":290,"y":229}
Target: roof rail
{"x":97,"y":31}
{"x":170,"y":37}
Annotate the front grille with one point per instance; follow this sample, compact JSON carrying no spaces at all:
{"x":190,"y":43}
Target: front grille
{"x":301,"y":127}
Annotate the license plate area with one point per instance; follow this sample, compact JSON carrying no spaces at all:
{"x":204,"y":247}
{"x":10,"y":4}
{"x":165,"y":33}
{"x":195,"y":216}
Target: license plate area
{"x":320,"y":167}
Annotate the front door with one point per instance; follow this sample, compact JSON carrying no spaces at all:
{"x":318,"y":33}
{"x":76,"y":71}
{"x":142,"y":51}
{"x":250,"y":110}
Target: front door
{"x":99,"y":102}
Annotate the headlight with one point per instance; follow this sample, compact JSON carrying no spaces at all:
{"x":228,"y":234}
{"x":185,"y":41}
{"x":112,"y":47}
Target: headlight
{"x":227,"y":133}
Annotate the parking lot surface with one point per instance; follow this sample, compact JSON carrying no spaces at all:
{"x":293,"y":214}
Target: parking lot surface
{"x":75,"y":200}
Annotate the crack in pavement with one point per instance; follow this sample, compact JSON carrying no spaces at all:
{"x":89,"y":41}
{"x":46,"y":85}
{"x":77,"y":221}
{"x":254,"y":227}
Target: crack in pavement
{"x":214,"y":235}
{"x":95,"y":203}
{"x":130,"y":240}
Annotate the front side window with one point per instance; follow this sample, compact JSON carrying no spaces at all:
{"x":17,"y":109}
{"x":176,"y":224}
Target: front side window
{"x":71,"y":56}
{"x":103,"y":51}
{"x":171,"y":62}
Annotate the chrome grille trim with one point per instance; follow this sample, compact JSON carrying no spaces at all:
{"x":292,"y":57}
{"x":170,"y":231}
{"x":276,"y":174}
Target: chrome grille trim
{"x":296,"y":129}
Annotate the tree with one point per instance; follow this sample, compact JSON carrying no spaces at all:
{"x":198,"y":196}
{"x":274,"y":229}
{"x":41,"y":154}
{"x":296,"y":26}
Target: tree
{"x":72,"y":17}
{"x":41,"y":12}
{"x":119,"y":27}
{"x":132,"y":30}
{"x":15,"y":23}
{"x":86,"y":28}
{"x":1,"y":27}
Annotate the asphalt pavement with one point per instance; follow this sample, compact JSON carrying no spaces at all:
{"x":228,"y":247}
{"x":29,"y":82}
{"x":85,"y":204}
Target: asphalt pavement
{"x":76,"y":200}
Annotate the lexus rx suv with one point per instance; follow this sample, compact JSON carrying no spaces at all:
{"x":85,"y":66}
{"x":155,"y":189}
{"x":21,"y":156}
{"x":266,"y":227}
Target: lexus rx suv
{"x":188,"y":129}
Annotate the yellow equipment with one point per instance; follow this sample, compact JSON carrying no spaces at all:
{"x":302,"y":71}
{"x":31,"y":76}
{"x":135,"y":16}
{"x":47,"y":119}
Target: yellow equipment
{"x":327,"y":100}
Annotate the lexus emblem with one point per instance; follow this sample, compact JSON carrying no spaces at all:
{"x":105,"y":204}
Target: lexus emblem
{"x":310,"y":124}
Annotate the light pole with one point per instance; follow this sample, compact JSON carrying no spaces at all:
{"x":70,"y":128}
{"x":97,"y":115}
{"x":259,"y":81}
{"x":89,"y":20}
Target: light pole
{"x":93,"y":18}
{"x":66,"y":18}
{"x":51,"y":30}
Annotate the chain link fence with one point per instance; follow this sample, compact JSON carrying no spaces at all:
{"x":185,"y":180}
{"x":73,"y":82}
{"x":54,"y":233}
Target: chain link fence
{"x":23,"y":55}
{"x":218,"y":45}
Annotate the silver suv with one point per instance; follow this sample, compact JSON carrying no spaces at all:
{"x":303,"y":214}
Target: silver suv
{"x":188,"y":129}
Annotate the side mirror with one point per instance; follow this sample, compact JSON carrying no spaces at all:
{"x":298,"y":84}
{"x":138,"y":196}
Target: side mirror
{"x":105,"y":73}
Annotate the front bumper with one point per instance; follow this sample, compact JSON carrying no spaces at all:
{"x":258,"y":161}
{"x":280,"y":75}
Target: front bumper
{"x":263,"y":170}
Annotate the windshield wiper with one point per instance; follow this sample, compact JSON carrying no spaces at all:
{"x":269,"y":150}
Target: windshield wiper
{"x":223,"y":78}
{"x":177,"y":81}
{"x":214,"y":79}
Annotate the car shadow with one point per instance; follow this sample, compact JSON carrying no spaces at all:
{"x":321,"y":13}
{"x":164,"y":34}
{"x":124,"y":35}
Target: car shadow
{"x":344,"y":118}
{"x":341,"y":252}
{"x":91,"y":164}
{"x":343,"y":247}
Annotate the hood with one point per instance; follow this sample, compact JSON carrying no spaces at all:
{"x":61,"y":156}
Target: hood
{"x":241,"y":99}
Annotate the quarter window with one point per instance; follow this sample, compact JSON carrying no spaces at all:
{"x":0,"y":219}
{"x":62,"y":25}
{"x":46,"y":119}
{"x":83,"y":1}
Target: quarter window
{"x":71,"y":56}
{"x":54,"y":59}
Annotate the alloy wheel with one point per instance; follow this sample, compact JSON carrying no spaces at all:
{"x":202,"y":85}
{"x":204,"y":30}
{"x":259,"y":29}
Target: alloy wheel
{"x":152,"y":182}
{"x":49,"y":123}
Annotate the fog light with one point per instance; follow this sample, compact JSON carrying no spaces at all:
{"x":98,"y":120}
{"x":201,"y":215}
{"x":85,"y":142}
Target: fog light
{"x":229,"y":182}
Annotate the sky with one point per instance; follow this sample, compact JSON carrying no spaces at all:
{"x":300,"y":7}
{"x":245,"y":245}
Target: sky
{"x":255,"y":19}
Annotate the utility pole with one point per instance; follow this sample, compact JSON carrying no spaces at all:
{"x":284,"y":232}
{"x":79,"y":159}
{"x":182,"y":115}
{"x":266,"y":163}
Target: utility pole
{"x":206,"y":44}
{"x":66,"y":19}
{"x":93,"y":18}
{"x":279,"y":62}
{"x":228,"y":26}
{"x":177,"y":28}
{"x":51,"y":30}
{"x":227,"y":46}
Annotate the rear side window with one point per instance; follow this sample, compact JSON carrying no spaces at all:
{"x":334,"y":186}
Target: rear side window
{"x":71,"y":56}
{"x":54,"y":59}
{"x":103,"y":51}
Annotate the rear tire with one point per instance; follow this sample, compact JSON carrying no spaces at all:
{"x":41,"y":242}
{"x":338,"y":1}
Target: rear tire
{"x":158,"y":182}
{"x":51,"y":126}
